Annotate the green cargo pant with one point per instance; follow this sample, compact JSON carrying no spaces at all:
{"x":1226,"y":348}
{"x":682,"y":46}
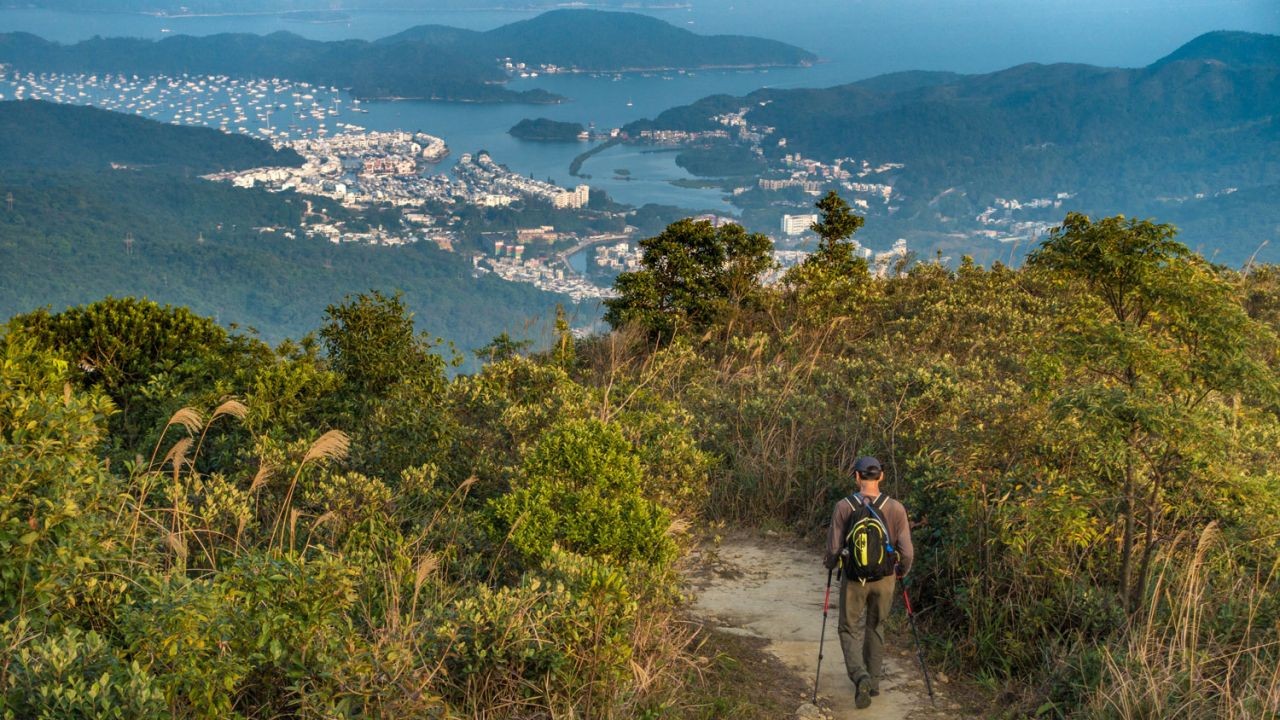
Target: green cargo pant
{"x":875,"y":598}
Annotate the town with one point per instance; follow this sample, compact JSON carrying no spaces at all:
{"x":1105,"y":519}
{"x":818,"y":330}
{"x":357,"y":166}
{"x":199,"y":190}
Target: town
{"x":361,"y":169}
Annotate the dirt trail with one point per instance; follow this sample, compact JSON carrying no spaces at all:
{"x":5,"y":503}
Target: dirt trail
{"x":769,"y":589}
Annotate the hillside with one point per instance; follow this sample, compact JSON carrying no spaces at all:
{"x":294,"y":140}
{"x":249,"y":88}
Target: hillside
{"x":368,"y":70}
{"x":201,"y":244}
{"x":72,"y":136}
{"x":1198,"y":122}
{"x":194,"y":525}
{"x":428,"y":62}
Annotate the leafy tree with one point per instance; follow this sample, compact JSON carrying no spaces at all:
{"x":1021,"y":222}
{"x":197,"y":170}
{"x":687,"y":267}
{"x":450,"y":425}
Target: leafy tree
{"x":564,"y":354}
{"x":833,"y":274}
{"x":693,"y":276}
{"x":1151,"y":336}
{"x":393,"y":389}
{"x":143,"y":355}
{"x":835,"y":227}
{"x":502,"y":347}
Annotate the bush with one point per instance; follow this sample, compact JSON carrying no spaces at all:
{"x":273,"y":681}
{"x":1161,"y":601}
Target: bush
{"x":581,"y":487}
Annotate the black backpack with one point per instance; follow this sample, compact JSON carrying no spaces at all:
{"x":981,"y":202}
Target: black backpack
{"x":868,"y":552}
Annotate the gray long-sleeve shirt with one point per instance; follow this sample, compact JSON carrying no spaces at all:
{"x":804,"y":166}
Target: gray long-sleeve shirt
{"x":895,"y":519}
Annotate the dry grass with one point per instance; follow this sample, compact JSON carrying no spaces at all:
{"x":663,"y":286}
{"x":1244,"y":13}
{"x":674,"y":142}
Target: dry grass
{"x":1178,"y":664}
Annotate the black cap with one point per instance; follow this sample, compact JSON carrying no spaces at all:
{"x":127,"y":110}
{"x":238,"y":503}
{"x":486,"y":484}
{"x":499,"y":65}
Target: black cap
{"x":868,"y":467}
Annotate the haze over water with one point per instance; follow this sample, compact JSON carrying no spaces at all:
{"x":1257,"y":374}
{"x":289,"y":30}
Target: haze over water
{"x":856,"y":39}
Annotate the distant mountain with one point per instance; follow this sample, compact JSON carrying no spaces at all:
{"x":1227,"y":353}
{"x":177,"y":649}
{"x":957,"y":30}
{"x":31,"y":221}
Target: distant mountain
{"x":1201,"y":121}
{"x":257,"y":7}
{"x":369,"y":70}
{"x":223,"y":251}
{"x":429,"y":62}
{"x":592,"y":40}
{"x":1237,"y":49}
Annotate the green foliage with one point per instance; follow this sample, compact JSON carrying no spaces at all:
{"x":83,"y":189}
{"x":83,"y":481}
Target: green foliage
{"x":243,"y":562}
{"x":1057,"y":432}
{"x":581,"y":487}
{"x":1087,"y":446}
{"x":73,"y":674}
{"x":58,"y":540}
{"x":1171,"y":333}
{"x":832,"y":273}
{"x":126,"y":347}
{"x":694,"y":275}
{"x":570,"y":622}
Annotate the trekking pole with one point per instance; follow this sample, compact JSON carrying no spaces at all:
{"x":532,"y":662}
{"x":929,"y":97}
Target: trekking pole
{"x":826,"y":603}
{"x":911,"y":615}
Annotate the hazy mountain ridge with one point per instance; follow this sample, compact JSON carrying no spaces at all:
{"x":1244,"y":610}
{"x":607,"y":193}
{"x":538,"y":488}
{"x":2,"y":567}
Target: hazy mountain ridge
{"x":429,"y":62}
{"x":228,"y":7}
{"x":369,"y":70}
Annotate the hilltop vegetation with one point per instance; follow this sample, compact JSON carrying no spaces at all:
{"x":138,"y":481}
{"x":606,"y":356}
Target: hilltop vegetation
{"x":1087,"y":446}
{"x":428,"y":62}
{"x":201,"y":244}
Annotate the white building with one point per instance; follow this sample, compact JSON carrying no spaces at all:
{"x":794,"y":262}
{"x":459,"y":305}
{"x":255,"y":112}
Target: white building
{"x":576,"y":198}
{"x":797,"y":224}
{"x":495,"y":200}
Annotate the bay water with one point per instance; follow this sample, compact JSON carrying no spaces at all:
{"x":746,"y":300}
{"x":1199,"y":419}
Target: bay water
{"x":855,"y":39}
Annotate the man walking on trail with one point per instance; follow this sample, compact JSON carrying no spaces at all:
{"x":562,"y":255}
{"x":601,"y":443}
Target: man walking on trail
{"x":871,"y":542}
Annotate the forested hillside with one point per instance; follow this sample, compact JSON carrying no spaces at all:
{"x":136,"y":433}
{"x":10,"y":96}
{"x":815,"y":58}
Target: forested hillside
{"x":195,"y":524}
{"x":73,"y":230}
{"x":50,"y":136}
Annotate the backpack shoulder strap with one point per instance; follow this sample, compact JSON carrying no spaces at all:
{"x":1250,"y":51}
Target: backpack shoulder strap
{"x":881,"y":500}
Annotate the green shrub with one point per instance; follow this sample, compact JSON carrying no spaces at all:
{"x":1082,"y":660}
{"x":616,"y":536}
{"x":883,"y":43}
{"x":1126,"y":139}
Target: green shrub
{"x":581,"y":487}
{"x":72,"y":674}
{"x":566,"y":627}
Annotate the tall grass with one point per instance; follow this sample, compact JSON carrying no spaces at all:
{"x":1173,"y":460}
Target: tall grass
{"x":1208,"y":645}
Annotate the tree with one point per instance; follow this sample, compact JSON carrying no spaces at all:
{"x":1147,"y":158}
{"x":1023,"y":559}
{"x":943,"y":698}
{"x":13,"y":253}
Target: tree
{"x":693,"y":276}
{"x":143,"y":355}
{"x":835,"y":227}
{"x":1153,"y":339}
{"x":394,"y":385}
{"x":833,"y":273}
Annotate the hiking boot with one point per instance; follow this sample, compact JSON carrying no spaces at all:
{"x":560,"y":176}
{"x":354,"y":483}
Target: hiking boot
{"x":863,"y":697}
{"x":874,"y":692}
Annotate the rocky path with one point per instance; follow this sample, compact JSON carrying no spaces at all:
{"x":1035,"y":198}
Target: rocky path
{"x":773,"y":590}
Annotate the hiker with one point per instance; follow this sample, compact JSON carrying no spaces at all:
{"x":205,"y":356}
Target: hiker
{"x":870,"y":541}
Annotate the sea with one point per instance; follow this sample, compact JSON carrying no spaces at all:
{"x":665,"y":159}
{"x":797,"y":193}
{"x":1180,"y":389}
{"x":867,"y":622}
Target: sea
{"x":855,"y":39}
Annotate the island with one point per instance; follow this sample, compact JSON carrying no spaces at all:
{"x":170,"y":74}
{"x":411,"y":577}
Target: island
{"x":546,"y":130}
